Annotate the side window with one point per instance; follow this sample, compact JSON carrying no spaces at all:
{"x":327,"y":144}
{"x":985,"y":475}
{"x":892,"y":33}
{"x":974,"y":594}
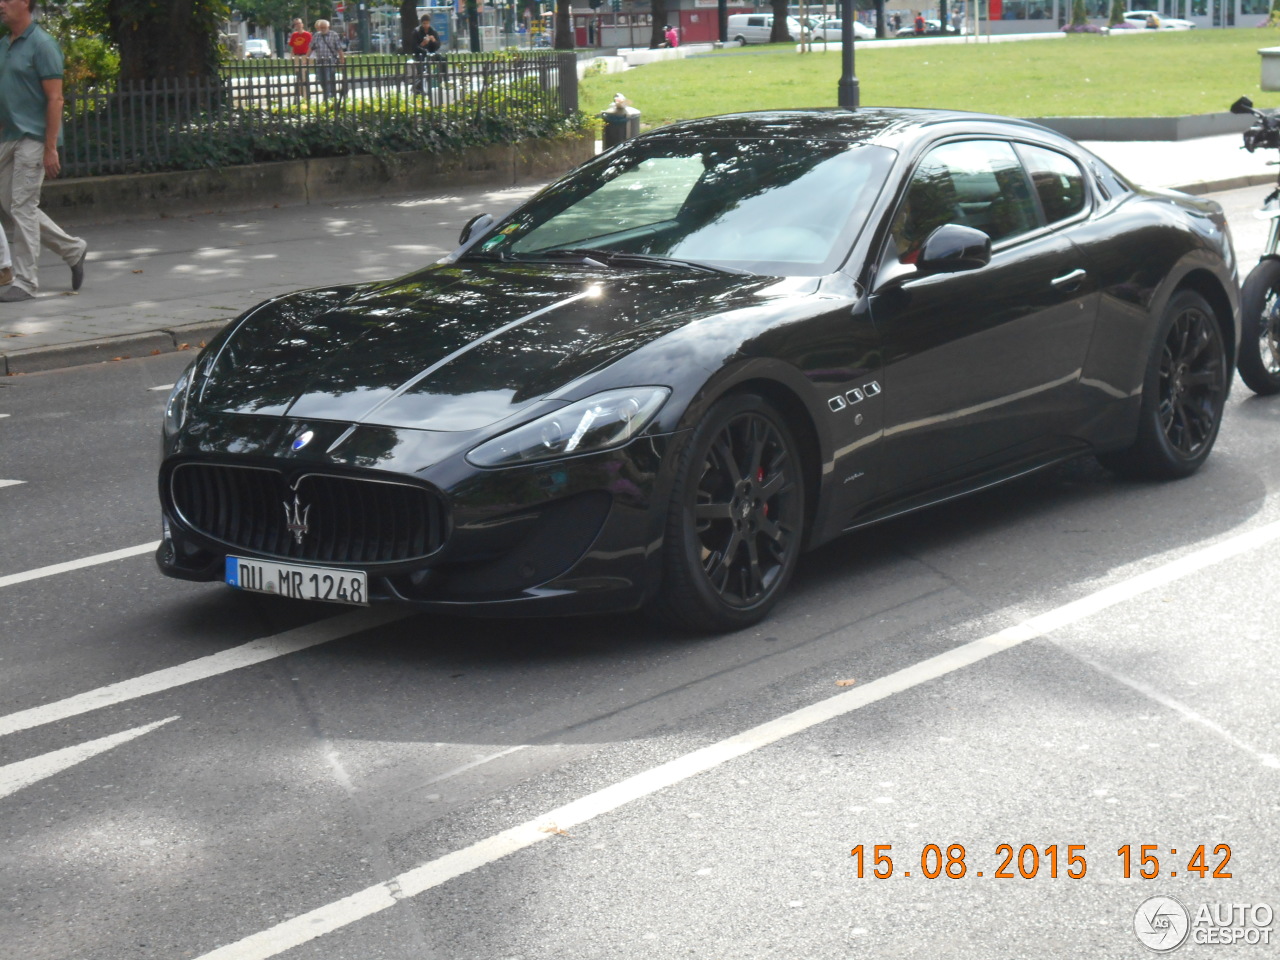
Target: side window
{"x":975,"y":183}
{"x":1058,"y":180}
{"x":756,"y":22}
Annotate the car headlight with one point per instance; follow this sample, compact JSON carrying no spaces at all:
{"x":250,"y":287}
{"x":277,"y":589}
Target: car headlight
{"x":175,"y":411}
{"x":606,"y":420}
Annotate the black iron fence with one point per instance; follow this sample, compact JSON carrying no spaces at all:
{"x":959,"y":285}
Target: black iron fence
{"x":285,"y":104}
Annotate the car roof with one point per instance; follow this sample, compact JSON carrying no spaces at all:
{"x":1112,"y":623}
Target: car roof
{"x":893,"y":127}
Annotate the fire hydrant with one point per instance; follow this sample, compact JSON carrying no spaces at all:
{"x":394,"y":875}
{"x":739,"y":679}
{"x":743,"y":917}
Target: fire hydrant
{"x":621,"y":122}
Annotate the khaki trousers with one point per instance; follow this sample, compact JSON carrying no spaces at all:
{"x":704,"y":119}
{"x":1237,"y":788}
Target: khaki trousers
{"x":21,"y":176}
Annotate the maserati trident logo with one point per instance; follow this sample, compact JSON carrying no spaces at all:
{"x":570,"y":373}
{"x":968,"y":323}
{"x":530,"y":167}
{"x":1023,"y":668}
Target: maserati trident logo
{"x":296,"y":518}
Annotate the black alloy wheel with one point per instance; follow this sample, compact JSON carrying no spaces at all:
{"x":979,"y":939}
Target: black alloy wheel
{"x":1183,"y":395}
{"x":1259,"y":362}
{"x":736,"y":522}
{"x":1192,"y":383}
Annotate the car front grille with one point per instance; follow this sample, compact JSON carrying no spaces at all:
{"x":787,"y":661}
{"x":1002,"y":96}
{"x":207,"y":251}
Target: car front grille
{"x":346,"y":519}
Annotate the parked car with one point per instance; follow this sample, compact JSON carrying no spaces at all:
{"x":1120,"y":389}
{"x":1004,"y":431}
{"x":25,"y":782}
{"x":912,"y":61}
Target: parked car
{"x":256,"y":49}
{"x":744,"y":28}
{"x":1138,"y":18}
{"x":932,"y":28}
{"x":829,"y":30}
{"x":703,"y":352}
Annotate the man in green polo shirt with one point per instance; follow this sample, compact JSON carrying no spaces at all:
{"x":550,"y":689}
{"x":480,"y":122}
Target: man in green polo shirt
{"x":30,"y":132}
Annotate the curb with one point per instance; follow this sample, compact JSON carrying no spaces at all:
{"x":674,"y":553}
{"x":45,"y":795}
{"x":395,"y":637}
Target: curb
{"x":170,"y":340}
{"x":107,"y":349}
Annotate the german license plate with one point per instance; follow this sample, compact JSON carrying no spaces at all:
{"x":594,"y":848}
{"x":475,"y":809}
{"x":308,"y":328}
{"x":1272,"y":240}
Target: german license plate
{"x":298,"y":582}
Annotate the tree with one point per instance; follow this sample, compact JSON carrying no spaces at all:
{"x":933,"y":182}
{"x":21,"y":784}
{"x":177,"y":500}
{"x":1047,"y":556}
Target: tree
{"x":1079,"y":14}
{"x":166,"y":39}
{"x":1118,"y":8}
{"x":267,"y":13}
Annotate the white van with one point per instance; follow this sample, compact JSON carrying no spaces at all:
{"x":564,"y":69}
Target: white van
{"x":747,"y":28}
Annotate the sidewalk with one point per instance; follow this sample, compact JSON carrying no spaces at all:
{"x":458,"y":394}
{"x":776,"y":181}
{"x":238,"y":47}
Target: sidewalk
{"x":154,"y":285}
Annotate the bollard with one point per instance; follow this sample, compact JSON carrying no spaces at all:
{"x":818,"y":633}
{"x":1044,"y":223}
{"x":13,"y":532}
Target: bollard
{"x":1270,"y":68}
{"x":621,"y":122}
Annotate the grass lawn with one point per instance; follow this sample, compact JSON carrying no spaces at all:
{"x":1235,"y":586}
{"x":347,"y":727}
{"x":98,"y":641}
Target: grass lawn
{"x":1149,"y":75}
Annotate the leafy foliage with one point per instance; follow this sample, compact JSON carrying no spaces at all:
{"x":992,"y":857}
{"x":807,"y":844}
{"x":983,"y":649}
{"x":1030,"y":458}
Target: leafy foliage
{"x":323,"y":129}
{"x":89,"y":62}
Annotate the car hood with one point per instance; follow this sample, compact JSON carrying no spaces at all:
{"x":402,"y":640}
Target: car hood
{"x":453,"y":347}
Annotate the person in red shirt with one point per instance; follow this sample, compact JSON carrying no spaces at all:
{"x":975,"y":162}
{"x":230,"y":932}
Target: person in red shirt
{"x":299,"y":40}
{"x":300,"y":45}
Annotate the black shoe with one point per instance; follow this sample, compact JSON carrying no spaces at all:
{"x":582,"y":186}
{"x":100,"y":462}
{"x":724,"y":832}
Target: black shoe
{"x":77,"y":271}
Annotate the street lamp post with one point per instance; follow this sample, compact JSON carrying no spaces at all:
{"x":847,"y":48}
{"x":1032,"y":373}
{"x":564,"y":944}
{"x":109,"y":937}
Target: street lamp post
{"x":847,"y":90}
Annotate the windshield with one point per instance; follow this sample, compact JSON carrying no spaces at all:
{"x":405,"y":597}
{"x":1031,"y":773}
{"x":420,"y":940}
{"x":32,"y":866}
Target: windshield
{"x":770,"y":206}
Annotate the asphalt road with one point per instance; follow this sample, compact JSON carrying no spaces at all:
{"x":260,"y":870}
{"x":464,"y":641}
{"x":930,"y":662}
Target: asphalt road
{"x":1070,"y":662}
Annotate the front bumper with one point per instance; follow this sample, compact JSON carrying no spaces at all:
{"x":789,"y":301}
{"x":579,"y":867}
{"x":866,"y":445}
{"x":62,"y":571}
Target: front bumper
{"x":565,"y":537}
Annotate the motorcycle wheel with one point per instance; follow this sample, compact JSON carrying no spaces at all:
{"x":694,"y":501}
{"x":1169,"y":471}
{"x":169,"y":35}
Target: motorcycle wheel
{"x":1259,"y":362}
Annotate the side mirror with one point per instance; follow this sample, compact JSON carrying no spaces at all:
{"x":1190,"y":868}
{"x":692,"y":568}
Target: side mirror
{"x":1243,"y":105}
{"x":952,"y":248}
{"x":474,"y":227}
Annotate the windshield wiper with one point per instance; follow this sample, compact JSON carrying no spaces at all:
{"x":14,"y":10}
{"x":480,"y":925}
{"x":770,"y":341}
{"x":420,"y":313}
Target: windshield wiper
{"x":615,"y":257}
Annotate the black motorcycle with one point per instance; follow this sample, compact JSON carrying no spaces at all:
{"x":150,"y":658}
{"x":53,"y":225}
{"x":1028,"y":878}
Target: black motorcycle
{"x":1259,"y":362}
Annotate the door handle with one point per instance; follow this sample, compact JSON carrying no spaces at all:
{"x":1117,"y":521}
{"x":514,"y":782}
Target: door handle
{"x":1069,"y":281}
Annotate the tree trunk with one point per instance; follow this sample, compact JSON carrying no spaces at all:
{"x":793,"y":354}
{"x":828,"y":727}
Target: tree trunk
{"x":779,"y":33}
{"x":165,"y":39}
{"x":473,"y":24}
{"x":564,"y":26}
{"x":408,"y":24}
{"x":658,"y":11}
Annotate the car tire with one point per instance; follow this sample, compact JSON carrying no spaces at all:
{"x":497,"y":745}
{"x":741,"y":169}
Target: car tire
{"x":1183,"y":394}
{"x":740,"y":41}
{"x":735,"y":526}
{"x":1259,"y":362}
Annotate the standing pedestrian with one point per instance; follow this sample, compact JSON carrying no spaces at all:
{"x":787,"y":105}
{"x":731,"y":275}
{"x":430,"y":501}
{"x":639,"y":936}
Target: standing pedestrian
{"x":30,"y":134}
{"x":300,"y":46}
{"x":327,"y":49}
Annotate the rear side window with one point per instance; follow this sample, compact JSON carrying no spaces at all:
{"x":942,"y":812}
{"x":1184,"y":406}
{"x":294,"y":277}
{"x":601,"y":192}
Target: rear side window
{"x":1058,"y":180}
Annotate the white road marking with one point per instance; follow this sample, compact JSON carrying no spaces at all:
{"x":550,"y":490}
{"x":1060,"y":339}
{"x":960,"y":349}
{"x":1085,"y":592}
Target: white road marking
{"x":80,"y":564}
{"x":15,"y":776}
{"x":163,"y":386}
{"x":1177,"y":706}
{"x":333,"y":916}
{"x":478,"y":762}
{"x":11,"y":483}
{"x":245,"y":655}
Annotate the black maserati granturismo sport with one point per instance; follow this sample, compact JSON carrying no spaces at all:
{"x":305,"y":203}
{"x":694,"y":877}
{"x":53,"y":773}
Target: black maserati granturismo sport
{"x":708,"y":349}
